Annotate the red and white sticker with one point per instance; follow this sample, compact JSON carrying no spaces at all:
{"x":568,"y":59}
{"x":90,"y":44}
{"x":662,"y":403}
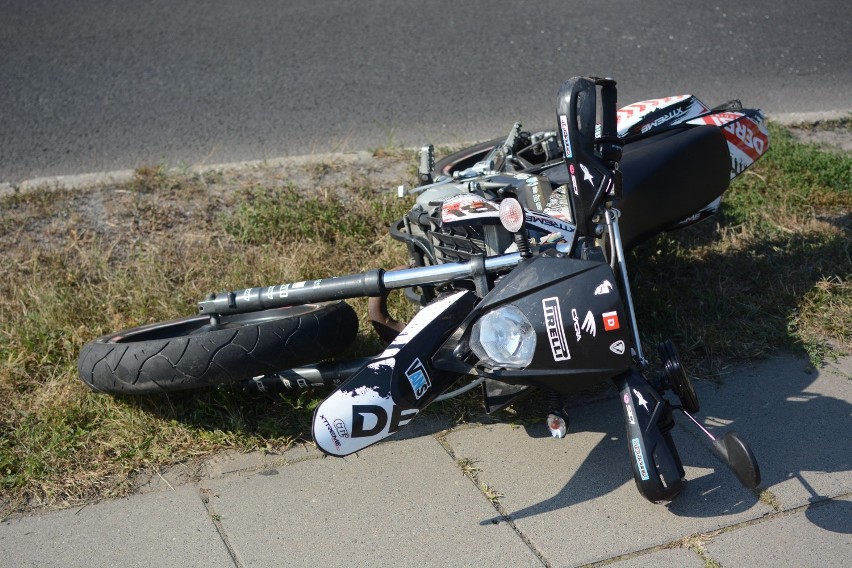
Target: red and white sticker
{"x":610,"y":321}
{"x":467,"y":206}
{"x":644,"y":107}
{"x":747,"y":138}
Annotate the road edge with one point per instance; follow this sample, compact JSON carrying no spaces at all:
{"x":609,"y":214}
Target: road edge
{"x":100,"y":179}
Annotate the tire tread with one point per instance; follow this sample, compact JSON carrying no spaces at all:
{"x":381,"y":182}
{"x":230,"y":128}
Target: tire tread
{"x":216,"y":357}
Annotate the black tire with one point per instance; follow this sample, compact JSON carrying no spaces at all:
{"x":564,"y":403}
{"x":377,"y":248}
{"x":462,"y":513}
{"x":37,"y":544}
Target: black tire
{"x":464,"y":158}
{"x":467,"y":157}
{"x":189,"y":353}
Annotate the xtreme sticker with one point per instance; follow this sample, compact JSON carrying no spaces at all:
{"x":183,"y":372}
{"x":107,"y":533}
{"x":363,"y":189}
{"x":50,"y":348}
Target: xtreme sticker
{"x":546,"y":222}
{"x":566,"y":139}
{"x":675,"y":113}
{"x":644,"y":107}
{"x":640,"y":117}
{"x":330,"y":431}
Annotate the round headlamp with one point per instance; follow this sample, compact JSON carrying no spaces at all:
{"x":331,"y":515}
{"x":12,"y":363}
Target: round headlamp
{"x":503,"y":338}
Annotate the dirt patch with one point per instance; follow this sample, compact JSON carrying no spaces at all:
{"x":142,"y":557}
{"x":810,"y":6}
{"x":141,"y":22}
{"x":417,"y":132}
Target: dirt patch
{"x":178,"y":204}
{"x":832,"y":135}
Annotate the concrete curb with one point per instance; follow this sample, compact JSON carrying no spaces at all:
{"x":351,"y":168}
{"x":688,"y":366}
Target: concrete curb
{"x":791,"y":118}
{"x":100,"y":179}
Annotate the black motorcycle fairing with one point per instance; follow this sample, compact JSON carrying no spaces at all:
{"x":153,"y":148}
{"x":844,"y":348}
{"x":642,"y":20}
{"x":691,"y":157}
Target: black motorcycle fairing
{"x":392,"y":388}
{"x":580,"y":323}
{"x":668,"y":177}
{"x":657,"y":468}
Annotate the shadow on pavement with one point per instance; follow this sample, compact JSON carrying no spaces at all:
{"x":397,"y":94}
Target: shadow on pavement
{"x":835,"y":519}
{"x":792,"y":415}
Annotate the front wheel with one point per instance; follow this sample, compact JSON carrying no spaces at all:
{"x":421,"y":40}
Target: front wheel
{"x":194,"y":352}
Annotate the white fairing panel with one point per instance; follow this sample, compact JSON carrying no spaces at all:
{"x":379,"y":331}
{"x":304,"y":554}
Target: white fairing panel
{"x":362,"y":411}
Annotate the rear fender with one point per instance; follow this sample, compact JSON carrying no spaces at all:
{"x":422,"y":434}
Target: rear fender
{"x":745,"y":132}
{"x":748,"y":139}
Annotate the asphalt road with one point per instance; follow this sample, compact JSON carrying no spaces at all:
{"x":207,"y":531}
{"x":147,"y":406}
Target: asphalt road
{"x":101,"y":85}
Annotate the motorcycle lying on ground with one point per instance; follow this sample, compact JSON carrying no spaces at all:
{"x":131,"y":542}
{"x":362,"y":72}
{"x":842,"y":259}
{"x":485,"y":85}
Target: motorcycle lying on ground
{"x":518,"y":261}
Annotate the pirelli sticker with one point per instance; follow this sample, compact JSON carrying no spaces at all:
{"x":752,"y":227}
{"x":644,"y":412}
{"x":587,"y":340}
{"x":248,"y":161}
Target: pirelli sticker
{"x":555,"y":329}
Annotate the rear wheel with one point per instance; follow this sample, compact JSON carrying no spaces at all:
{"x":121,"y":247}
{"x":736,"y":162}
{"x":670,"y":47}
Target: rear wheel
{"x":193,"y":352}
{"x":465,"y":158}
{"x":468,"y":157}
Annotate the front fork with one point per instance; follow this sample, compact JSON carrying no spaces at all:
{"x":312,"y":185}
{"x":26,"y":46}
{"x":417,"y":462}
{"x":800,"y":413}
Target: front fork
{"x":657,"y":468}
{"x":611,"y":218}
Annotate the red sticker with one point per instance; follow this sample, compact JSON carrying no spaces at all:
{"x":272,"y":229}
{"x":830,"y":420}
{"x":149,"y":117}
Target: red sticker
{"x":610,"y":321}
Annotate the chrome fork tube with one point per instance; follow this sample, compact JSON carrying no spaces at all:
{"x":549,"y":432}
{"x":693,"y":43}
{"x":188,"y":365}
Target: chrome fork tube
{"x":611,"y":216}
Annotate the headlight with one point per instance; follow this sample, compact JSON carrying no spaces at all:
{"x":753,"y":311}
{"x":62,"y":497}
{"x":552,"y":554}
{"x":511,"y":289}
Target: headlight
{"x":503,"y":338}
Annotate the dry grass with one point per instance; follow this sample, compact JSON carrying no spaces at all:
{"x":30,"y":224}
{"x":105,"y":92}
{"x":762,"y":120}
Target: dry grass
{"x":78,"y":265}
{"x":771,"y":271}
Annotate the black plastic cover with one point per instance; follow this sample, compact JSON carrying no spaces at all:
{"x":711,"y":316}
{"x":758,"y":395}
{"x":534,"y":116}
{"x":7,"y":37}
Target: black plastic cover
{"x":582,"y":334}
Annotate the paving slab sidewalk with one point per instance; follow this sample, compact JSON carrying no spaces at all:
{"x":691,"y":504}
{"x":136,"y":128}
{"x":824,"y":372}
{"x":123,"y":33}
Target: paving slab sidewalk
{"x":565,"y":502}
{"x":816,"y":536}
{"x":157,"y":529}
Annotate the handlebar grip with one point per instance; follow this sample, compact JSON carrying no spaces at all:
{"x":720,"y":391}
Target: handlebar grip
{"x":610,"y":145}
{"x":609,"y":104}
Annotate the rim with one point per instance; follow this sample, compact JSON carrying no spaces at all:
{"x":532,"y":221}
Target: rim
{"x":194,"y":325}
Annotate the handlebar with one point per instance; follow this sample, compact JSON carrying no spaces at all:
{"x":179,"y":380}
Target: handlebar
{"x":371,"y":283}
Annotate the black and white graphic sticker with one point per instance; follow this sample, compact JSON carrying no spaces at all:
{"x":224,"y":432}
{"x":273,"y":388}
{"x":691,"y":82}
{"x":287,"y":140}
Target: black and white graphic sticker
{"x":603,"y":288}
{"x":555,"y":329}
{"x":640,"y":400}
{"x":351,"y":419}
